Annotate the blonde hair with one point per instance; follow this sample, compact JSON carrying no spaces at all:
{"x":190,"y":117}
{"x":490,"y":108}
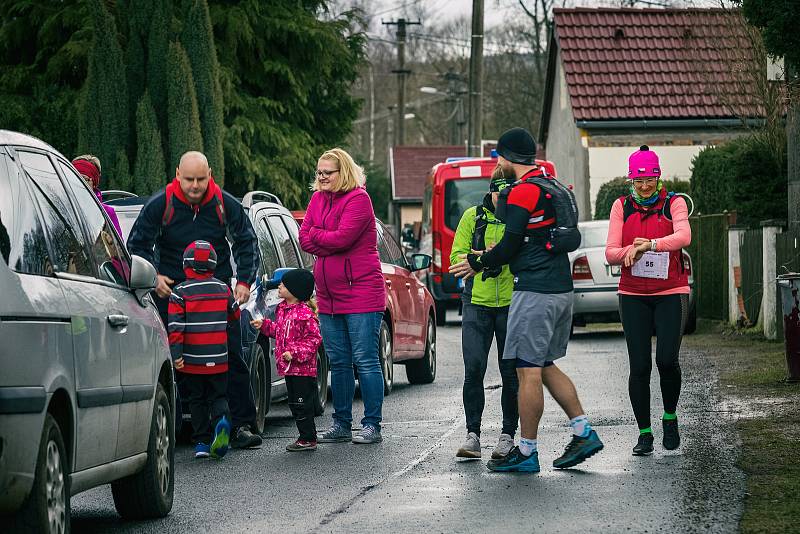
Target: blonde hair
{"x":350,"y":175}
{"x":312,"y":303}
{"x":94,"y":160}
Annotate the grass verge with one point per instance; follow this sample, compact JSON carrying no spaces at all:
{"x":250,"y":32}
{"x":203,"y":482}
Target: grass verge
{"x":752,"y":377}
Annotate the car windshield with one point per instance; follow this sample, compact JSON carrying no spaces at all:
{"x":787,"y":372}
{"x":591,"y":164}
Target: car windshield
{"x":594,"y":236}
{"x":460,"y":195}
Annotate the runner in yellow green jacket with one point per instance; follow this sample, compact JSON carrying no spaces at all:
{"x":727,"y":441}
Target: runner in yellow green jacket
{"x":485,"y":300}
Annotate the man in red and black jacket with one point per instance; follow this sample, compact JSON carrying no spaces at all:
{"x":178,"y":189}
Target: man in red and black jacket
{"x":193,"y":207}
{"x":540,"y":315}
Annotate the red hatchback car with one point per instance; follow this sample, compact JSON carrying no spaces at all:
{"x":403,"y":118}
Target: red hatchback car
{"x":408,"y":330}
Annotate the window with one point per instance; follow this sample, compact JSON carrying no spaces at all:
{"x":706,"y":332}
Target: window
{"x":460,"y":195}
{"x":394,"y":253}
{"x":269,"y":256}
{"x":23,"y":246}
{"x":61,"y":223}
{"x":106,"y":249}
{"x":594,"y":236}
{"x":284,"y":241}
{"x":291,"y":224}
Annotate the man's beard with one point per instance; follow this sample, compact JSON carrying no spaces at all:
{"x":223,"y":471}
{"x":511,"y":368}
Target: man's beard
{"x":504,"y":173}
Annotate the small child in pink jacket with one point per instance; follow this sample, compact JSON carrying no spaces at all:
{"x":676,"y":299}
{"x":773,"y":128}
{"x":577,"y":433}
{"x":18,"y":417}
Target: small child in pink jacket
{"x":297,"y":338}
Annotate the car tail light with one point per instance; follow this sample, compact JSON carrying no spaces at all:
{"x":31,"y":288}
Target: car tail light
{"x":687,"y":264}
{"x":580,"y":269}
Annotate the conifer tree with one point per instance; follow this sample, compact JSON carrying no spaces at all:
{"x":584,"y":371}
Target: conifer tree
{"x":183,"y":119}
{"x":103,"y":128}
{"x":148,"y":174}
{"x":157,"y":50}
{"x":198,"y":40}
{"x":121,"y":177}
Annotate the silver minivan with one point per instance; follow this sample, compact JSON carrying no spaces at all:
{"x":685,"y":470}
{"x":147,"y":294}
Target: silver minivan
{"x":86,"y":383}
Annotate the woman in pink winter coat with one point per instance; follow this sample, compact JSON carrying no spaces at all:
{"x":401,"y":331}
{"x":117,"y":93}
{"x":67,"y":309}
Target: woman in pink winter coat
{"x":339,"y":228}
{"x":297,"y":339}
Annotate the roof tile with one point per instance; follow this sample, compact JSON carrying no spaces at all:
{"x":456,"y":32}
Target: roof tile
{"x":669,"y":63}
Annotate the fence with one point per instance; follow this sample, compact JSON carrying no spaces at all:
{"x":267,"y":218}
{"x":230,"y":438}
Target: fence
{"x":751,"y":254}
{"x":709,"y":251}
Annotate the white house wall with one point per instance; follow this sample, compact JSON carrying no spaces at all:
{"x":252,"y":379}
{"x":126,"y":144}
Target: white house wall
{"x":563,"y":146}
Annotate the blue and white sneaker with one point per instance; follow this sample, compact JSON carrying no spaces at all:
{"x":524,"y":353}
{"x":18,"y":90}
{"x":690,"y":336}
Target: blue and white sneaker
{"x":222,"y":437}
{"x":516,"y":461}
{"x":578,"y":450}
{"x":368,"y":434}
{"x":201,"y":450}
{"x":338,"y":433}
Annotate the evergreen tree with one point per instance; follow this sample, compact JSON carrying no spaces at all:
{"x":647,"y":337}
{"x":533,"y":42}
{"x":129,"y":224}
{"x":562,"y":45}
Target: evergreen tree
{"x":103,"y":127}
{"x":157,"y":72}
{"x":183,"y":119}
{"x":148,"y":174}
{"x":121,"y":177}
{"x":198,"y":39}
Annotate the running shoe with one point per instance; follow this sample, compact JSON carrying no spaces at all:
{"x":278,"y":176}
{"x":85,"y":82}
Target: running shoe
{"x":578,"y":450}
{"x":672,"y":439}
{"x":504,"y":446}
{"x":645,"y":445}
{"x":471,"y":447}
{"x":201,"y":450}
{"x":222,"y":437}
{"x":245,"y":439}
{"x":302,"y":445}
{"x":368,"y":434}
{"x":338,"y":433}
{"x":516,"y":461}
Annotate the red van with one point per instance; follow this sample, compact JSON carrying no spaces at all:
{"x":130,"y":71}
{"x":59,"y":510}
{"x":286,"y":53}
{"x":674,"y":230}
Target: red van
{"x":451,"y":188}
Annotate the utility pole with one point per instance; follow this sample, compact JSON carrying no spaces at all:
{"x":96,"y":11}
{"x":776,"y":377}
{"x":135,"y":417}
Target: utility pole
{"x":401,"y":72}
{"x":476,"y":81}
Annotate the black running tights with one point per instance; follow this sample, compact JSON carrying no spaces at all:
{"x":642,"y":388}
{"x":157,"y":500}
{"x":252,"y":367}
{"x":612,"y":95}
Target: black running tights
{"x":664,"y":315}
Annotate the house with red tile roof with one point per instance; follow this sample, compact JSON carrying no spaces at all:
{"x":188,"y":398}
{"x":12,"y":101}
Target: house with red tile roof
{"x":620,"y":78}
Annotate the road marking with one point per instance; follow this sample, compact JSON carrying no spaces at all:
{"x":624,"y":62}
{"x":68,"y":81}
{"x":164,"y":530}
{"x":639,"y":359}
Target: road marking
{"x":422,"y":457}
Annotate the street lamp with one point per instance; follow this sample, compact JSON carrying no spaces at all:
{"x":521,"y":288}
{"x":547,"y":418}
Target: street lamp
{"x":453,"y":95}
{"x":428,"y":90}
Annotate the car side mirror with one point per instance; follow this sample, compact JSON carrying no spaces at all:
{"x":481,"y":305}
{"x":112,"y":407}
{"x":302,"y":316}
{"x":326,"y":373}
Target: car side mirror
{"x":143,"y":277}
{"x":420,"y":262}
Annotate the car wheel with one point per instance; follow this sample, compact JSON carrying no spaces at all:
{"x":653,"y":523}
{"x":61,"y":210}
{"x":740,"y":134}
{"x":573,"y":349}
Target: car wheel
{"x":423,"y":371}
{"x":322,"y":382}
{"x":441,"y":312}
{"x":47,"y":507}
{"x":149,"y":492}
{"x":387,"y":357}
{"x":691,"y":321}
{"x":260,"y":384}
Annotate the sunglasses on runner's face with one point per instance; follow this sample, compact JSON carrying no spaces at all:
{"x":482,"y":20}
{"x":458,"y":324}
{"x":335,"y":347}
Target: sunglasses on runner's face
{"x":648,"y":181}
{"x":326,"y":174}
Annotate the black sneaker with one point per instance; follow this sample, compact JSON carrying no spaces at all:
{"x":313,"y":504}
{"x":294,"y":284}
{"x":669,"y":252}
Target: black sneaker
{"x":672,"y":439}
{"x":245,"y":439}
{"x":578,"y":450}
{"x":645,"y":445}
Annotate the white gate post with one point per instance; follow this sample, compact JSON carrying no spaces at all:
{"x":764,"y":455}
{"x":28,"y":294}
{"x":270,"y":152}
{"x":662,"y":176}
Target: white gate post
{"x":769,"y":302}
{"x":735,"y":303}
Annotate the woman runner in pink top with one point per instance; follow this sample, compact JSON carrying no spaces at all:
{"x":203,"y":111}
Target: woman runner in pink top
{"x":647,"y":230}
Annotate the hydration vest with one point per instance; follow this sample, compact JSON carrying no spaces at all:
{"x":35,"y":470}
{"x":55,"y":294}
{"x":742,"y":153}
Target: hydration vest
{"x":561,"y":237}
{"x":652,"y":223}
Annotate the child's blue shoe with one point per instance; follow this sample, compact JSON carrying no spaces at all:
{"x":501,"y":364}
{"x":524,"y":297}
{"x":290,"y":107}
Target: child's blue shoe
{"x":222,"y":437}
{"x":201,"y":450}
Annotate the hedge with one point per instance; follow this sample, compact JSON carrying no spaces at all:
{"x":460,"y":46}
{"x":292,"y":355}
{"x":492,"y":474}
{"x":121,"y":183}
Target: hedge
{"x":611,"y":191}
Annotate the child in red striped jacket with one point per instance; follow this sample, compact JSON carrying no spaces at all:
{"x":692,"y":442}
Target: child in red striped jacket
{"x":199,"y":311}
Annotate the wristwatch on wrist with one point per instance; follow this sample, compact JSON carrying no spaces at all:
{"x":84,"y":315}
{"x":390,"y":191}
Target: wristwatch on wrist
{"x":653,"y":244}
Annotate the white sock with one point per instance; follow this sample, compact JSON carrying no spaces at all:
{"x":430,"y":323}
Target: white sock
{"x":527,"y":446}
{"x":580,"y":426}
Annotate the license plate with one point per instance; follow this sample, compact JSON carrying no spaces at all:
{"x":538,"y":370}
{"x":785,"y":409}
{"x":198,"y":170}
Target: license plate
{"x":614,"y":270}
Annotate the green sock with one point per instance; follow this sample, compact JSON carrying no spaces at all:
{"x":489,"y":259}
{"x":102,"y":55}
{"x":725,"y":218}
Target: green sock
{"x":669,"y":416}
{"x":648,"y":430}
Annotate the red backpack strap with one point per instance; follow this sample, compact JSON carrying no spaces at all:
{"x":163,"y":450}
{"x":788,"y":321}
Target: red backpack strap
{"x":220,"y":206}
{"x":169,"y":208}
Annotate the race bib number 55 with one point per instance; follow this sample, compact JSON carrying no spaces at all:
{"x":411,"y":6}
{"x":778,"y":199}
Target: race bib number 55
{"x":652,"y":265}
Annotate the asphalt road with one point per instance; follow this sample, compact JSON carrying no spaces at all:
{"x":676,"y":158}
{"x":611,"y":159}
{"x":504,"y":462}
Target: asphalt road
{"x":412,"y":482}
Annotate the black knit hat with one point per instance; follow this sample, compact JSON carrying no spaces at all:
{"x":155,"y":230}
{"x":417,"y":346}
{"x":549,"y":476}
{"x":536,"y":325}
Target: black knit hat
{"x":300,"y":283}
{"x":200,"y":256}
{"x":517,"y":145}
